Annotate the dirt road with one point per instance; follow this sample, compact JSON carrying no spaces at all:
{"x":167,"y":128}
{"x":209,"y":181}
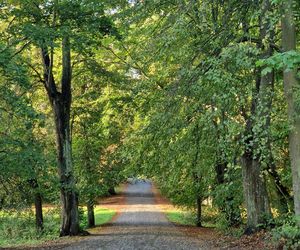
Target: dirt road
{"x":140,"y":225}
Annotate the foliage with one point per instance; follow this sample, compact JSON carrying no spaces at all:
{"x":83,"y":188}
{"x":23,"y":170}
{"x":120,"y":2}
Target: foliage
{"x":286,"y":60}
{"x":188,"y":93}
{"x":287,"y":232}
{"x":22,"y":156}
{"x":180,"y":217}
{"x":18,"y":227}
{"x":28,"y":28}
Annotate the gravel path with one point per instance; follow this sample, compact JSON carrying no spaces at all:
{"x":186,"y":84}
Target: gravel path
{"x":140,"y":225}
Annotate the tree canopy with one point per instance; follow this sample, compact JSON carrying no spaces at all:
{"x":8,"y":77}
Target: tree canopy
{"x":200,"y":96}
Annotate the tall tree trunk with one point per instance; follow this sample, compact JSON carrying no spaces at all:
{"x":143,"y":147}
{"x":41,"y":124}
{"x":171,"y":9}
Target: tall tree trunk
{"x":255,"y":193}
{"x":91,"y":214}
{"x":70,"y":219}
{"x":69,"y":213}
{"x":199,"y":212}
{"x":197,"y":177}
{"x":38,"y":205}
{"x":257,"y":130}
{"x":38,"y":211}
{"x":61,"y":105}
{"x":291,"y":84}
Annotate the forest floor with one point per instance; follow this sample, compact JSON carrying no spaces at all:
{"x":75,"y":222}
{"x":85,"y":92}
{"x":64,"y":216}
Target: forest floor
{"x":141,"y":223}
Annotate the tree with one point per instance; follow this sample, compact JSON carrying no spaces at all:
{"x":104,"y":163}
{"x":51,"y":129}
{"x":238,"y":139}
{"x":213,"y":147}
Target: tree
{"x":21,"y":153}
{"x":65,"y":26}
{"x":210,"y":49}
{"x":190,"y":95}
{"x":291,"y":88}
{"x":255,"y":155}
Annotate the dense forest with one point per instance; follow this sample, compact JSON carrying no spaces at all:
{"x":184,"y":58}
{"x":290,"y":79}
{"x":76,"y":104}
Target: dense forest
{"x":201,"y":96}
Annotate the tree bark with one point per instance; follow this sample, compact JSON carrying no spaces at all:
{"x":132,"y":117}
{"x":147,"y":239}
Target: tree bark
{"x":257,"y":130}
{"x":38,"y":205}
{"x":291,"y":84}
{"x":61,"y":105}
{"x":197,"y":178}
{"x":199,"y":212}
{"x":91,"y":214}
{"x":255,"y":193}
{"x":39,"y":221}
{"x":69,"y":216}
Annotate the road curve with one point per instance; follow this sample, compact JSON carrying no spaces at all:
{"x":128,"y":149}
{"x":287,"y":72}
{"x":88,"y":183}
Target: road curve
{"x":140,"y":225}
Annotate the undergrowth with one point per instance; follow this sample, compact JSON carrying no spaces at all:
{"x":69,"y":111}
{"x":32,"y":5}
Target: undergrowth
{"x":18,"y":227}
{"x":286,"y":233}
{"x":210,"y":218}
{"x":188,"y":217}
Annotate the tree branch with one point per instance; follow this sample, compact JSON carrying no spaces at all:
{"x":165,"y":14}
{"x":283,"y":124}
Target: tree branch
{"x":39,"y":76}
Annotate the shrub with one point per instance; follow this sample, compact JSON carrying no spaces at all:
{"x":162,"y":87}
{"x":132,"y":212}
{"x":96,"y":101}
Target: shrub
{"x":287,"y":232}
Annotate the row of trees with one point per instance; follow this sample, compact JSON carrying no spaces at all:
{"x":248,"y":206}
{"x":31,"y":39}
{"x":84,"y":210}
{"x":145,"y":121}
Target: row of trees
{"x":200,"y":95}
{"x":218,"y":115}
{"x":53,"y":52}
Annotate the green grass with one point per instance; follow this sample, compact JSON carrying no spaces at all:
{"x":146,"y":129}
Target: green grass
{"x":181,"y":217}
{"x":18,"y":227}
{"x":210,"y":218}
{"x":102,"y":216}
{"x":188,"y":217}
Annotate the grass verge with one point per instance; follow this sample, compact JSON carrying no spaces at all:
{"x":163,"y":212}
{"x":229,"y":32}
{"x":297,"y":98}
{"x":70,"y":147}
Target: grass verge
{"x":102,"y":216}
{"x":181,"y":217}
{"x":188,"y":217}
{"x":17,"y":228}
